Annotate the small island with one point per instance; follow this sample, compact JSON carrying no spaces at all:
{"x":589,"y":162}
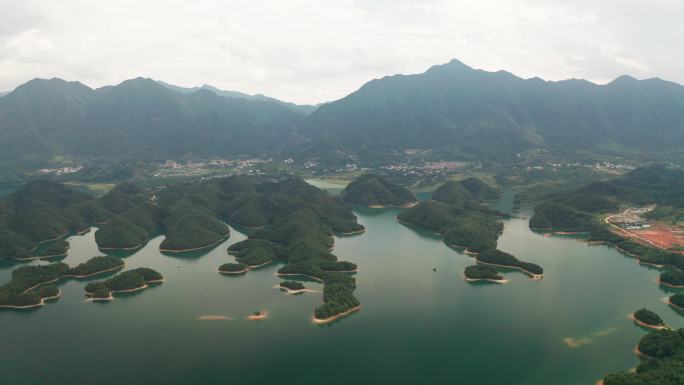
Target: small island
{"x":233,"y":268}
{"x":374,"y":190}
{"x":26,"y":289}
{"x":677,"y":301}
{"x":649,"y":319}
{"x":255,"y":252}
{"x":673,"y":278}
{"x":95,"y":266}
{"x":293,"y":287}
{"x":189,"y":229}
{"x":128,"y":281}
{"x":476,"y":273}
{"x":258,"y":316}
{"x":498,"y":258}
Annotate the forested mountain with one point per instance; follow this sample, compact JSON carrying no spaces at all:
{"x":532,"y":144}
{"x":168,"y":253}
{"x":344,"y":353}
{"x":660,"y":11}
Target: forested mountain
{"x":138,"y":118}
{"x":498,"y":114}
{"x":300,"y":108}
{"x":458,"y":110}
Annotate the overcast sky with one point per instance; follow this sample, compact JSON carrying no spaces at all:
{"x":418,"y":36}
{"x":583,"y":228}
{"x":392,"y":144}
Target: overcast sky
{"x":309,"y":51}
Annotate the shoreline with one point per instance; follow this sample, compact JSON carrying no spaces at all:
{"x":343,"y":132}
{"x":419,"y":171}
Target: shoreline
{"x":122,"y":248}
{"x":111,"y":292}
{"x":644,"y":324}
{"x":261,"y":316}
{"x":669,"y":284}
{"x":53,"y":239}
{"x":195,"y":248}
{"x":352,"y":232}
{"x":299,"y":275}
{"x":300,"y":291}
{"x":37,"y":305}
{"x":248,"y":268}
{"x":321,"y":321}
{"x":673,"y":305}
{"x":533,"y":276}
{"x":639,"y":353}
{"x":501,"y":281}
{"x":97,"y":272}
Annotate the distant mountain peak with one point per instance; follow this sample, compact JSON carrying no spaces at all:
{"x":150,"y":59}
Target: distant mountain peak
{"x":452,"y":66}
{"x":624,"y":79}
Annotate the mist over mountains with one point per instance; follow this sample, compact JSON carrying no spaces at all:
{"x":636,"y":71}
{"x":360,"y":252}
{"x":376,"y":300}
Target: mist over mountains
{"x":452,"y":108}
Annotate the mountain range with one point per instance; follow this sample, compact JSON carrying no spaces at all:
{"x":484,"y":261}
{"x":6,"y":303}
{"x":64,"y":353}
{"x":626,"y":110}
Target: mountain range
{"x":452,"y":109}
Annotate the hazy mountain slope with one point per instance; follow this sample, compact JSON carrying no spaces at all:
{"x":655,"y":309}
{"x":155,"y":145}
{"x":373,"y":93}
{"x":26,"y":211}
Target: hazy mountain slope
{"x":137,"y":118}
{"x":484,"y":113}
{"x":301,"y":108}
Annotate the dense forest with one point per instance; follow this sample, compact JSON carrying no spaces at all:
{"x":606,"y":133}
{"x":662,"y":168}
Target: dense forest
{"x":290,"y":221}
{"x":482,"y":272}
{"x":666,"y":348}
{"x":457,"y":212}
{"x":130,"y":280}
{"x":648,"y":317}
{"x":27,"y":287}
{"x":376,"y":190}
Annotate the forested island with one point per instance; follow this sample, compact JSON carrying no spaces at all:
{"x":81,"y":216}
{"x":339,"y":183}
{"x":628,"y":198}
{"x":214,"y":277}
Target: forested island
{"x":677,"y":300}
{"x":664,"y":350}
{"x":581,"y":210}
{"x":482,"y":273}
{"x":649,"y":319}
{"x":27,"y":288}
{"x":673,"y":278}
{"x":131,"y":280}
{"x":233,"y":268}
{"x":376,"y":191}
{"x":464,"y":221}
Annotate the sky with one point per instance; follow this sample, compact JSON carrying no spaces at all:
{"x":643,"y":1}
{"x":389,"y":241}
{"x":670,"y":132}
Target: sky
{"x":311,"y":51}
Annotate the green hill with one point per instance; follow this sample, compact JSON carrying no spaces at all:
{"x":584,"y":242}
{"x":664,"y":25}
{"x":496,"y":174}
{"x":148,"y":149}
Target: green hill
{"x":375,"y":190}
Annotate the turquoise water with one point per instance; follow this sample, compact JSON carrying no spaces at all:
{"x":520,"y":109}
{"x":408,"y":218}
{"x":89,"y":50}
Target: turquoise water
{"x":416,"y":326}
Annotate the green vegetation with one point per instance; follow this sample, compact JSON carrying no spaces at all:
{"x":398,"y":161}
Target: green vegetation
{"x":127,"y":281}
{"x":482,"y":272}
{"x":464,"y":221}
{"x":57,"y":248}
{"x":96,"y":265}
{"x":292,"y":285}
{"x":189,"y":228}
{"x":667,"y":367}
{"x":24,"y":291}
{"x":673,"y":278}
{"x":648,"y":317}
{"x":376,"y":190}
{"x":497,"y":257}
{"x":677,"y":300}
{"x":255,"y":252}
{"x":233,"y":268}
{"x":578,"y":210}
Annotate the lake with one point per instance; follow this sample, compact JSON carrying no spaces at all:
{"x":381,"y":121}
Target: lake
{"x":416,"y":325}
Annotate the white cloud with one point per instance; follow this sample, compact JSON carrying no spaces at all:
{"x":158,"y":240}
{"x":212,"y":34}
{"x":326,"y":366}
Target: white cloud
{"x":315,"y":50}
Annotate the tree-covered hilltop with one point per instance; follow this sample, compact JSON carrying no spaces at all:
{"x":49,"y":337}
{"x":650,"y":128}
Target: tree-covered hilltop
{"x":233,"y":268}
{"x":666,"y":347}
{"x":292,"y":285}
{"x":190,"y":228}
{"x":500,"y":258}
{"x":648,"y":317}
{"x":482,"y":272}
{"x":292,"y":222}
{"x":672,"y":278}
{"x":457,"y":213}
{"x":41,"y":211}
{"x":57,"y":248}
{"x":96,"y":265}
{"x":580,"y":210}
{"x":375,"y":190}
{"x":677,"y":300}
{"x":127,"y":281}
{"x":479,"y":189}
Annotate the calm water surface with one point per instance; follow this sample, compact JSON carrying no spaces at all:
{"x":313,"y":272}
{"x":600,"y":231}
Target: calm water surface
{"x":416,"y":326}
